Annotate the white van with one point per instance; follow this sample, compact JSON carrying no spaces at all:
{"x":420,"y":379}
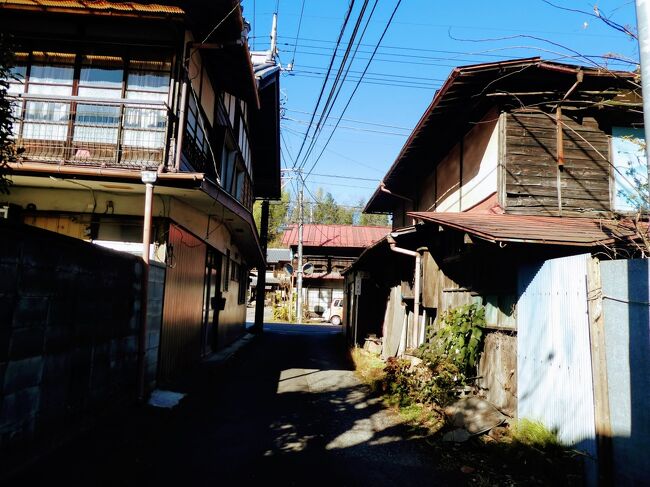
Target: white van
{"x":334,"y":312}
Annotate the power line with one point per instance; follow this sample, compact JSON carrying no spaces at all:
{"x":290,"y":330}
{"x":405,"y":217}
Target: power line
{"x":357,"y":86}
{"x":357,"y":129}
{"x":365,"y":122}
{"x":458,"y":54}
{"x":331,"y":183}
{"x":372,"y":80}
{"x":481,"y":27}
{"x":293,"y":57}
{"x":329,"y":69}
{"x":346,"y":177}
{"x":455,"y":61}
{"x":339,"y":80}
{"x":387,"y":75}
{"x":347,"y":158}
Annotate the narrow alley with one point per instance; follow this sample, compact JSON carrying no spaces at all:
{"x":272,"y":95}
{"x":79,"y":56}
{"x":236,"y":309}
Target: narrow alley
{"x":287,"y":409}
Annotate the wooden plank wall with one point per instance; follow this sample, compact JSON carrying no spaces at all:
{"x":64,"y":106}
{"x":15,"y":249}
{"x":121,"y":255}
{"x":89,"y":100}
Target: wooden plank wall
{"x":63,"y":224}
{"x":531,"y":167}
{"x":498,"y":371}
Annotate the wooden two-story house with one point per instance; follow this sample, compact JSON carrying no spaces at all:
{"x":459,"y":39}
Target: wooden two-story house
{"x":512,"y":162}
{"x":105,"y":90}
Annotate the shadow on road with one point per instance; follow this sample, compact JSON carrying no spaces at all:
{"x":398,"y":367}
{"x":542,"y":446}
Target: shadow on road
{"x":285,"y":409}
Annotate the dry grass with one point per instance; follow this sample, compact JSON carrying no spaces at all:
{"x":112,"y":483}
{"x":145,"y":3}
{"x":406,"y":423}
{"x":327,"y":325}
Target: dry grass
{"x":369,"y":368}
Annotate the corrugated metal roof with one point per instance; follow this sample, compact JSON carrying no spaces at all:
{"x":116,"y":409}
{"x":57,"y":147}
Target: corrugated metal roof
{"x":95,"y":6}
{"x":273,"y":256}
{"x":335,"y":235}
{"x":586,"y":232}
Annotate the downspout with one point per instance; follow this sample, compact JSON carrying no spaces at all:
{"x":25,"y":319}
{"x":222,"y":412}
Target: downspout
{"x":559,"y":138}
{"x":416,"y":290}
{"x":182,"y":110}
{"x":384,"y":189}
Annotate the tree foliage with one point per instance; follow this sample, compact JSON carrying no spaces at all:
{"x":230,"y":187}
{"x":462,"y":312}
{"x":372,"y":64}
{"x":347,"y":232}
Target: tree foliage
{"x":369,"y":220}
{"x":8,"y":151}
{"x":278,"y":211}
{"x":326,"y":211}
{"x":323,"y":210}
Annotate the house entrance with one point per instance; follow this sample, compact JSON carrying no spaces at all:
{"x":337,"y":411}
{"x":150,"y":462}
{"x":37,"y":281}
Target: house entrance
{"x":212,"y":301}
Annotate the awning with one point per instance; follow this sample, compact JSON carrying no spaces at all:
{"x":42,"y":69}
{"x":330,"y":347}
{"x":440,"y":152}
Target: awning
{"x":585,"y":232}
{"x":191,"y":188}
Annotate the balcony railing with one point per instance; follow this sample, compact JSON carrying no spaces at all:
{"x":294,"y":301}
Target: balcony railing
{"x":128,"y":134}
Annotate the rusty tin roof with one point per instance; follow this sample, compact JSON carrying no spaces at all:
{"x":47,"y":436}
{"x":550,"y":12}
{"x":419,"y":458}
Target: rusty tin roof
{"x":587,"y":232}
{"x":94,"y":7}
{"x":334,"y":235}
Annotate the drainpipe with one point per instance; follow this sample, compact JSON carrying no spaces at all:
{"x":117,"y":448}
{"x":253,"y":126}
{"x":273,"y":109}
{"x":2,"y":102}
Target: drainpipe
{"x":384,"y":189}
{"x":643,"y":28}
{"x":148,"y":178}
{"x":182,"y":110}
{"x":416,"y":291}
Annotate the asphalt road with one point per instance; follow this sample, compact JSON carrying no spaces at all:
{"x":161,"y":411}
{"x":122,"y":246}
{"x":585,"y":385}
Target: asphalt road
{"x":286,"y":410}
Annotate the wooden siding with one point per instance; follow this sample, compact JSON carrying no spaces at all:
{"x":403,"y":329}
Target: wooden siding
{"x":497,"y":371}
{"x":467,"y":174}
{"x":180,"y":344}
{"x":531,"y":167}
{"x":63,"y":224}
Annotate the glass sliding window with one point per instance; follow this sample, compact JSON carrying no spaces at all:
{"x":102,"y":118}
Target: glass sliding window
{"x":145,"y":126}
{"x":239,"y":184}
{"x":197,"y":141}
{"x":148,"y":80}
{"x":228,"y":168}
{"x":101,"y":78}
{"x":17,"y":74}
{"x":16,"y":80}
{"x":51,"y":74}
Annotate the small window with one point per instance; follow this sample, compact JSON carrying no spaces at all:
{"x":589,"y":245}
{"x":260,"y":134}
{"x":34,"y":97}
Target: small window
{"x":243,"y":284}
{"x":226,"y":271}
{"x":234,"y":271}
{"x":630,"y":169}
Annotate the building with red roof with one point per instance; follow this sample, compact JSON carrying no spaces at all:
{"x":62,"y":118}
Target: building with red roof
{"x":330,"y":249}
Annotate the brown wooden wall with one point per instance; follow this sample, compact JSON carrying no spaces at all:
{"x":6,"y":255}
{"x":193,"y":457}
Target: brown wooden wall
{"x":531,"y":167}
{"x":180,"y":341}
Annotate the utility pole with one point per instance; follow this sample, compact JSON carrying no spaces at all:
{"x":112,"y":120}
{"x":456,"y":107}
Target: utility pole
{"x":301,"y":182}
{"x":643,"y":28}
{"x":273,"y":50}
{"x":260,"y":295}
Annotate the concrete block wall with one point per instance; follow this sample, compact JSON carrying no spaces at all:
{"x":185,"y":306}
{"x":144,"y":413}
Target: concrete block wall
{"x":156,"y":291}
{"x":69,"y":318}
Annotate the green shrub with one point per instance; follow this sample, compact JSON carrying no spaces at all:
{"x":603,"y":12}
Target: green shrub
{"x":435,"y":384}
{"x":459,"y":340}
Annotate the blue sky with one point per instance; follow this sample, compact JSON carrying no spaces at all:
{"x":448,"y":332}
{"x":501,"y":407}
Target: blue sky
{"x":426,"y":39}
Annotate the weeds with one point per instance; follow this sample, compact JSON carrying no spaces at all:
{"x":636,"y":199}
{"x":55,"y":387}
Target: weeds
{"x":369,"y":368}
{"x":419,"y":389}
{"x":535,"y":434}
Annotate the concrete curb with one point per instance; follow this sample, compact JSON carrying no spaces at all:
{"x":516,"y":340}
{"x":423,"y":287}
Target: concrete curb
{"x":222,"y":356}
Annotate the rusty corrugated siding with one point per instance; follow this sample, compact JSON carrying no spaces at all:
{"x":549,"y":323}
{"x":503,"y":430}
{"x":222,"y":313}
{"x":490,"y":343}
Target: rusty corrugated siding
{"x":533,"y":229}
{"x":95,"y":6}
{"x":335,"y":235}
{"x":180,"y":342}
